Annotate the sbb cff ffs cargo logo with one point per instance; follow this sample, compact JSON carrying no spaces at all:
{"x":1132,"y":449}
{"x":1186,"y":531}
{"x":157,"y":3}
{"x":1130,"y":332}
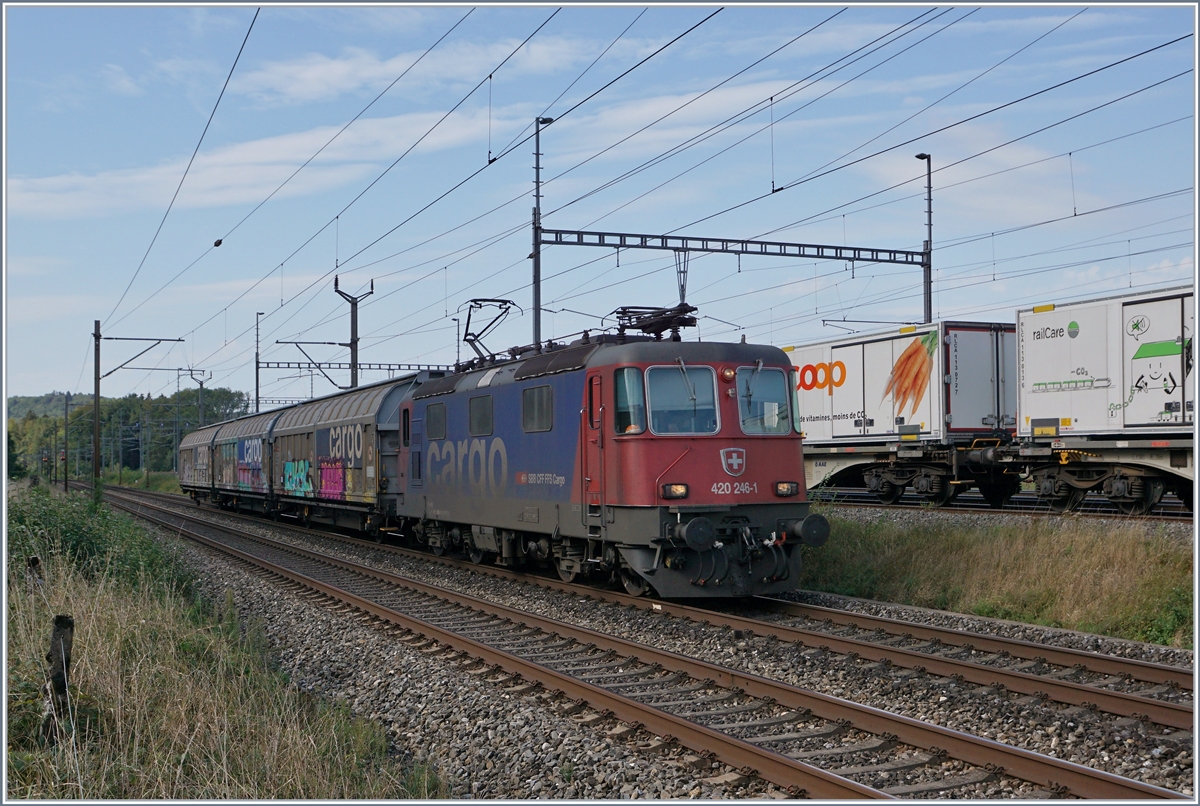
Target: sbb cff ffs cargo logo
{"x":822,"y":376}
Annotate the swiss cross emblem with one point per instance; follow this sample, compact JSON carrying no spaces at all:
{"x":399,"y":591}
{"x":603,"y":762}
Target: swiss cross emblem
{"x":733,"y":460}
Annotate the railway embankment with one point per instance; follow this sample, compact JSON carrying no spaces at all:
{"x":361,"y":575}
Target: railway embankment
{"x":172,"y":694}
{"x":1123,"y":577}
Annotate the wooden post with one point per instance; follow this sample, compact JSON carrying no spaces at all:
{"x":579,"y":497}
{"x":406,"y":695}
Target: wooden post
{"x":59,"y":659}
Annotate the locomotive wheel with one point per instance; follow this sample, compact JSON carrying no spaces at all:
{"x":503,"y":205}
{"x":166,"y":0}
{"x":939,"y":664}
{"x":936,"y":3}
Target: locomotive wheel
{"x":1068,"y":502}
{"x":564,"y":574}
{"x":890,"y":493}
{"x":476,"y":554}
{"x":438,"y":551}
{"x":634,"y":584}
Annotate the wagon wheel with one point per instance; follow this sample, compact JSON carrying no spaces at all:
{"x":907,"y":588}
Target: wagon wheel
{"x":997,"y":494}
{"x":1067,"y":502}
{"x":1183,"y":491}
{"x":634,"y":584}
{"x":565,"y":574}
{"x":942,"y":496}
{"x":438,"y":550}
{"x":1153,"y":494}
{"x":889,"y":493}
{"x":475,"y":553}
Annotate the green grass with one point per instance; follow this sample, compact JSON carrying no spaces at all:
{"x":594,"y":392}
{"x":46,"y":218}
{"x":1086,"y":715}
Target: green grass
{"x":1124,"y":581}
{"x":173,"y":696}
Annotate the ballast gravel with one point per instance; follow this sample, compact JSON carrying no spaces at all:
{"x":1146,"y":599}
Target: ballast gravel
{"x":352,"y":660}
{"x":483,"y":739}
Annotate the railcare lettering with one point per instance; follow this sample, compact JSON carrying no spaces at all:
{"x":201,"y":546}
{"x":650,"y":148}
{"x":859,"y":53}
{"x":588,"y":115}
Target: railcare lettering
{"x":822,"y":376}
{"x":1049,"y":333}
{"x":469,"y":466}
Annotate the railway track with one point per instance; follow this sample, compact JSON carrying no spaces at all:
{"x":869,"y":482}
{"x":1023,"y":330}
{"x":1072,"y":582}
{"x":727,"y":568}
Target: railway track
{"x":1170,"y":509}
{"x":1154,"y":692}
{"x":779,"y":731}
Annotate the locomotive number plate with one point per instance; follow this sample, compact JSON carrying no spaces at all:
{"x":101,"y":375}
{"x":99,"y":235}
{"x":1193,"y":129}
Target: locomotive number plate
{"x":735,"y":488}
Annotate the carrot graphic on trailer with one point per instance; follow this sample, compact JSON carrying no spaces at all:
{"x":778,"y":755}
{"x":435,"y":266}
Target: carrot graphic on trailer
{"x":910,"y":373}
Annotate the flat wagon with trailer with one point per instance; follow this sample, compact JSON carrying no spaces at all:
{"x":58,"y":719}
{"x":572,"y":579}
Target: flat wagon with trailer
{"x":1107,"y":399}
{"x":912,"y":407}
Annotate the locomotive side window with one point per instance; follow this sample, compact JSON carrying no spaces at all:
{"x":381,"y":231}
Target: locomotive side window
{"x":537,"y":409}
{"x":594,"y":401}
{"x":631,"y":401}
{"x":763,"y":401}
{"x":405,"y":432}
{"x":435,"y":421}
{"x":480,"y":424}
{"x":683,"y":400}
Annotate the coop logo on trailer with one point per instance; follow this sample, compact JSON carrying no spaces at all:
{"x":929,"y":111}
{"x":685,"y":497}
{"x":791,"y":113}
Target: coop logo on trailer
{"x":822,"y":376}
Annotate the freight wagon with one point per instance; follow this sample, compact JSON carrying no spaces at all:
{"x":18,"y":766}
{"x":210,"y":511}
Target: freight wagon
{"x":1107,"y":399}
{"x":667,"y":465}
{"x":905,"y":408}
{"x":1093,"y":396}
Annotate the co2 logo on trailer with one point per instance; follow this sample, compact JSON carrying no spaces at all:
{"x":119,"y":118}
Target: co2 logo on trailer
{"x":822,"y":376}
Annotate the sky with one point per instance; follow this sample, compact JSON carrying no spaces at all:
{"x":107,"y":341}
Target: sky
{"x":392,"y":145}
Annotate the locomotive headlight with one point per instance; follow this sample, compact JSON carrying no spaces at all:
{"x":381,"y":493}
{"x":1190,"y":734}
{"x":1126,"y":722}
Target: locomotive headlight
{"x":786,"y":489}
{"x":728,"y":374}
{"x":674,"y":491}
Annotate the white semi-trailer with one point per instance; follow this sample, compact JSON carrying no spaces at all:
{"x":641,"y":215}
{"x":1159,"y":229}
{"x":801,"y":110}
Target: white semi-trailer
{"x":1092,"y":396}
{"x":902,"y":408}
{"x":1107,"y":397}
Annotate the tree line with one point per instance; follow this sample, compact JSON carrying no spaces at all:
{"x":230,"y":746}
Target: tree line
{"x":135,"y":431}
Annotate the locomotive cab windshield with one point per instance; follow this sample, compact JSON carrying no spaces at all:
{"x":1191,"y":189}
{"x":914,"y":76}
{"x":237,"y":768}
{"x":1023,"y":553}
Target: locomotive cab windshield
{"x":763,"y":401}
{"x":683,"y":400}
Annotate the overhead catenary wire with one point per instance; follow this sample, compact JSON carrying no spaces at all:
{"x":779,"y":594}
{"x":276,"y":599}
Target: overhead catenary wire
{"x":304,"y":165}
{"x":195,"y":151}
{"x":477,"y":172}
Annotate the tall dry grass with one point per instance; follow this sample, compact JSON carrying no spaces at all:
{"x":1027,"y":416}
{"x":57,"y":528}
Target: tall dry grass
{"x":172,"y":698}
{"x":1126,"y":581}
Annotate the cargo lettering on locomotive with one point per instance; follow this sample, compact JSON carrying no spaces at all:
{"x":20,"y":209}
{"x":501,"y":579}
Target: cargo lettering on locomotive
{"x":475,"y":466}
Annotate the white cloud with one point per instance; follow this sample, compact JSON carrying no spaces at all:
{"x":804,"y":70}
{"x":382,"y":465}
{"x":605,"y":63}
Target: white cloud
{"x":35,"y":265}
{"x":244,"y":172}
{"x":117,"y":80}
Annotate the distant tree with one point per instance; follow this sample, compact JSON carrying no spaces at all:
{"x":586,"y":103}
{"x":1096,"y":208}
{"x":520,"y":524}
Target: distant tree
{"x":16,"y":469}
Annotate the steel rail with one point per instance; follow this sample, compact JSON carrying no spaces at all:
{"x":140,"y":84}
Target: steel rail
{"x":1054,"y":773}
{"x":1164,"y":512}
{"x":1146,"y":671}
{"x":773,"y":767}
{"x":1115,"y":702}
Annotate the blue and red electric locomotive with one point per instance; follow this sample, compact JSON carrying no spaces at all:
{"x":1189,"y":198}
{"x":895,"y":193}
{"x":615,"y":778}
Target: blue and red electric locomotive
{"x":669,"y":465}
